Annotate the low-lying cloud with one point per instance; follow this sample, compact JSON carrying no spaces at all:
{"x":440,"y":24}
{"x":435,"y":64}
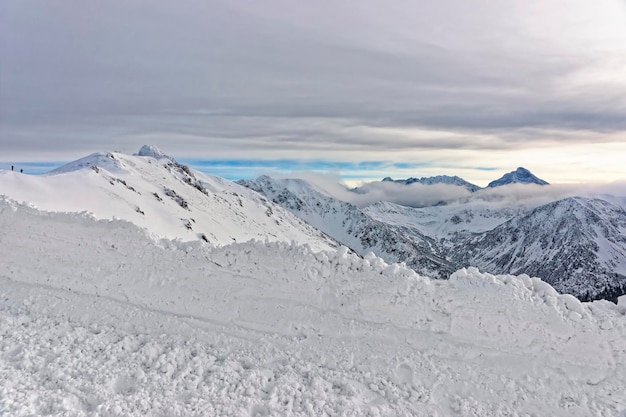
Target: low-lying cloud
{"x":421,"y":195}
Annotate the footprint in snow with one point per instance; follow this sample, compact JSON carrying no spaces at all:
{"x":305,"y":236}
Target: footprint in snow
{"x":405,"y":374}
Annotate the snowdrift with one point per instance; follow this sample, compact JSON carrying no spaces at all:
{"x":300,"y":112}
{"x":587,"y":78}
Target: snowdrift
{"x":96,"y":318}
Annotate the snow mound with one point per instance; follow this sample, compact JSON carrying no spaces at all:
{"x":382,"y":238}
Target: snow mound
{"x":98,"y":319}
{"x":152,"y":151}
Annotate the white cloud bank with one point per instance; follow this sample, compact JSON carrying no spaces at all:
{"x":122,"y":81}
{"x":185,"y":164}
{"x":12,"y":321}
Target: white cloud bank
{"x":420,"y":195}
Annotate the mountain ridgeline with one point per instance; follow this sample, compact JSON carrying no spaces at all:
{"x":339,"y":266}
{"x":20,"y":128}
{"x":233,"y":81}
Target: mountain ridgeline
{"x":350,"y":226}
{"x":439,"y":179}
{"x":167,"y":198}
{"x":519,"y":176}
{"x":576,"y":244}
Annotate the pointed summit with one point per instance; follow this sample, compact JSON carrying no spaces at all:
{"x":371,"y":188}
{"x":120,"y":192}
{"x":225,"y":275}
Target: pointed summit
{"x":519,"y":176}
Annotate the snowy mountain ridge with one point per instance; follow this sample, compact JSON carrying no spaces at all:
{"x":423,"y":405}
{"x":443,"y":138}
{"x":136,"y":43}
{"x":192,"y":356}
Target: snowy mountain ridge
{"x":477,"y":233}
{"x":349,"y":225}
{"x":577,"y":244}
{"x":519,"y":176}
{"x":438,"y":179}
{"x":165,"y":197}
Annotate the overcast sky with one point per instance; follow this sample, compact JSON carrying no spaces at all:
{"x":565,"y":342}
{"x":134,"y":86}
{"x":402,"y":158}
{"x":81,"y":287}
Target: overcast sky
{"x":364,"y":88}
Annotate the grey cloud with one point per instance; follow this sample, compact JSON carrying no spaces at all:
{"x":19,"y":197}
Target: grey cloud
{"x":278,"y":74}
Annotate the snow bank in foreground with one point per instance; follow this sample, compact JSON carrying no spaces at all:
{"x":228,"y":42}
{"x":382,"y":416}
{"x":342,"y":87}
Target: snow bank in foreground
{"x":97,"y":319}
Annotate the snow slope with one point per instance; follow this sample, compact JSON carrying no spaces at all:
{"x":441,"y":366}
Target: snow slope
{"x":96,"y":318}
{"x":349,"y":225}
{"x":163,"y":196}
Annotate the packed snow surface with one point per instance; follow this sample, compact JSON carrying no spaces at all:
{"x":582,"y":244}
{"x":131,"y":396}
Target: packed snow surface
{"x":98,"y":318}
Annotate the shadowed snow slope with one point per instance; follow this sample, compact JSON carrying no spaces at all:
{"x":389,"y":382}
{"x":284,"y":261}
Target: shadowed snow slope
{"x":96,"y":318}
{"x":577,"y":244}
{"x":165,"y":197}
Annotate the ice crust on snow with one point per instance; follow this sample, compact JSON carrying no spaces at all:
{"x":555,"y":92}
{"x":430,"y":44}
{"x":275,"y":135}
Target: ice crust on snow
{"x":96,"y":318}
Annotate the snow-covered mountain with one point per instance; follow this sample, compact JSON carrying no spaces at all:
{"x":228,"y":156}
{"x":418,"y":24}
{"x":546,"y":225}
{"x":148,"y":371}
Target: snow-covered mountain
{"x":519,"y":176}
{"x":438,"y":179}
{"x":578,"y":245}
{"x":352,"y":227}
{"x":97,"y":317}
{"x":572,"y":254}
{"x":170,"y":200}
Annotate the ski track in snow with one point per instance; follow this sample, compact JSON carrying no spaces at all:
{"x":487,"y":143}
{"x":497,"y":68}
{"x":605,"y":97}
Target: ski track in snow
{"x":96,"y":318}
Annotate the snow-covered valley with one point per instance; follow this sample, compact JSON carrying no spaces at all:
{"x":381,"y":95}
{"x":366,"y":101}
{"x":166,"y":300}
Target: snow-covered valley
{"x":106,"y":310}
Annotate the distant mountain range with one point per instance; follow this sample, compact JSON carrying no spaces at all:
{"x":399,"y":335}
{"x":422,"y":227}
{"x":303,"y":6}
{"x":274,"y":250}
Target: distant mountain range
{"x":519,"y":176}
{"x":439,"y":179}
{"x":578,"y":244}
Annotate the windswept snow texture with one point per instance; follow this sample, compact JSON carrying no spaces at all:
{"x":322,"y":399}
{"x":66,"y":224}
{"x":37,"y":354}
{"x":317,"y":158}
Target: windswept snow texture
{"x":165,"y":197}
{"x":96,"y":318}
{"x":519,"y":176}
{"x":352,"y":227}
{"x":438,"y":179}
